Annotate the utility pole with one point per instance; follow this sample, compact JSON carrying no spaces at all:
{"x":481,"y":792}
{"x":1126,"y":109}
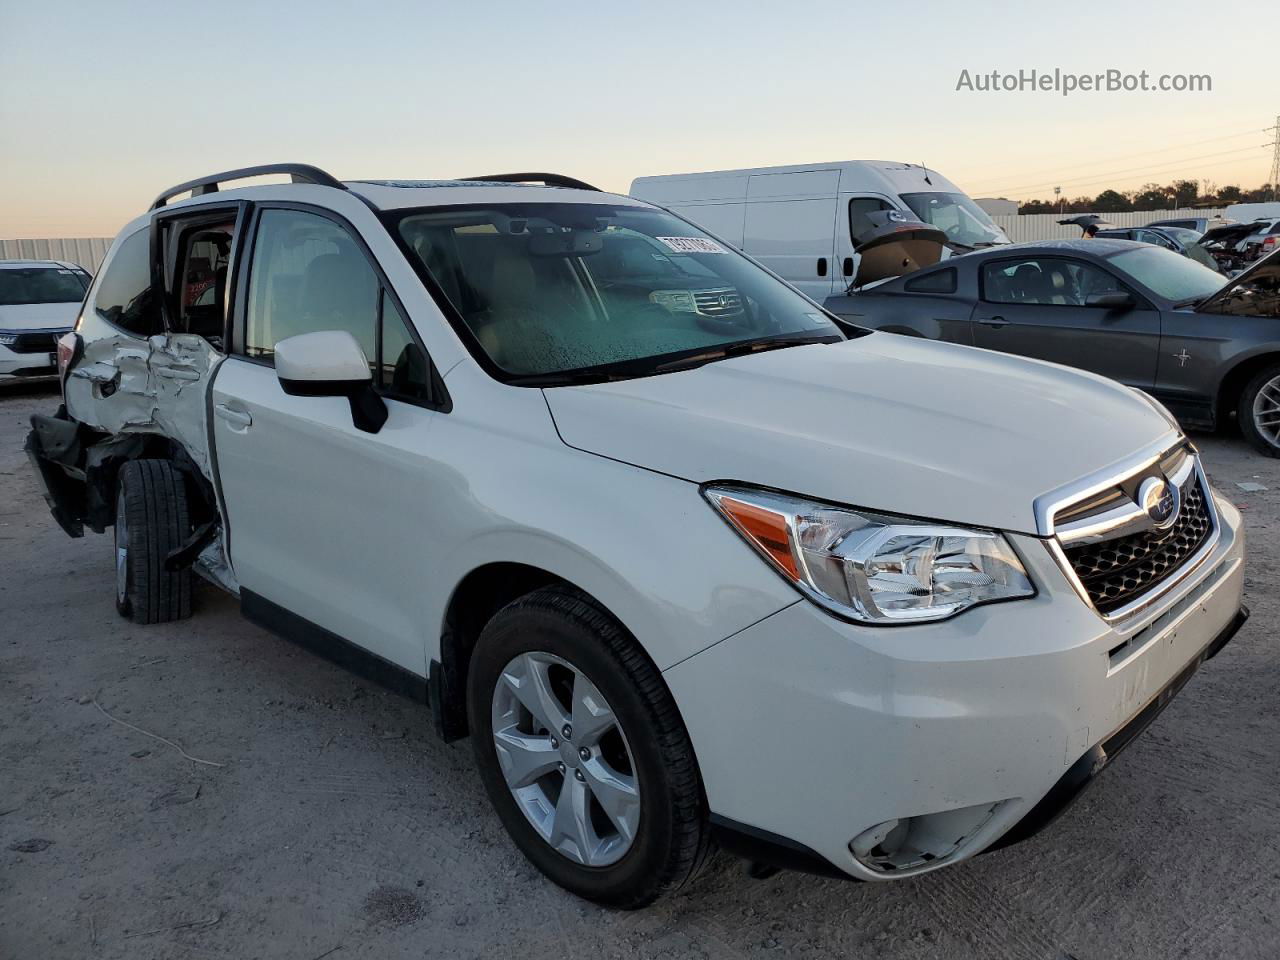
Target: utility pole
{"x":1274,"y":179}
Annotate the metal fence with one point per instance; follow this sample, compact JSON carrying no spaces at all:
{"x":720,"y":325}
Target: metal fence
{"x":88,"y":252}
{"x":1045,"y":226}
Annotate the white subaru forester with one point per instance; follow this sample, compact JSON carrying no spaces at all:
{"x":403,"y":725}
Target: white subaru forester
{"x":692,"y":564}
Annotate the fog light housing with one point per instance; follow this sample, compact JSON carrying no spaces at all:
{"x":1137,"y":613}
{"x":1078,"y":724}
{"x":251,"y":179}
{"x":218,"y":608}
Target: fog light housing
{"x":911,"y":842}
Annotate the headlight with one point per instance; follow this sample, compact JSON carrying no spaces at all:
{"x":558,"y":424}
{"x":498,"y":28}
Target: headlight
{"x":871,"y":567}
{"x":8,"y":339}
{"x":676,"y":301}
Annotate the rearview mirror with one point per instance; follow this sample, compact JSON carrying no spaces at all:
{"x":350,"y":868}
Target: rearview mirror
{"x":330,"y":363}
{"x":1109,"y":301}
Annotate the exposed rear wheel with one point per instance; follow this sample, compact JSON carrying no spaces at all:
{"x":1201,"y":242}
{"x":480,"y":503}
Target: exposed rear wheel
{"x":1259,"y":411}
{"x":151,"y":522}
{"x":583,"y":753}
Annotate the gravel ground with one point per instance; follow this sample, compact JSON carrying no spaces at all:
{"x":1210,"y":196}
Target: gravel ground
{"x":327,"y":820}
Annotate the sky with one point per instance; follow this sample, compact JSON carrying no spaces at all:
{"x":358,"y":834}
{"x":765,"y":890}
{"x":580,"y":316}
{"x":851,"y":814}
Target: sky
{"x":102,"y":105}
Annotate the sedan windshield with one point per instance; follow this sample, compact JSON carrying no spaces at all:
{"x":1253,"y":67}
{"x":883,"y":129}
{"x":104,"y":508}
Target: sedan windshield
{"x":19,"y":285}
{"x":554,"y":293}
{"x":962,"y":220}
{"x":1167,"y":274}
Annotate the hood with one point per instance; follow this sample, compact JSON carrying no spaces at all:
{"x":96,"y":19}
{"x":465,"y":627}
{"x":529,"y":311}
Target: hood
{"x":1086,"y":220}
{"x":1230,"y":233}
{"x":884,"y":422}
{"x":895,"y":245}
{"x":1253,"y":292}
{"x":39,"y":316}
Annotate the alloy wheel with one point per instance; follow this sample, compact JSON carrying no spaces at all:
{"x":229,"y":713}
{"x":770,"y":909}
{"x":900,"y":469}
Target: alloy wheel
{"x":566,"y":759}
{"x":1266,"y":411}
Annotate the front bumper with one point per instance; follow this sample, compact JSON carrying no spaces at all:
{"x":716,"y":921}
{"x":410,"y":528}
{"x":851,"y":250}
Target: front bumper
{"x":32,"y":357}
{"x":810,"y":731}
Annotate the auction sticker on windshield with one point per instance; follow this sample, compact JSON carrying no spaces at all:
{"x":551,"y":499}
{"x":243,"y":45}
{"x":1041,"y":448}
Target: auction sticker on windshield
{"x":692,"y":245}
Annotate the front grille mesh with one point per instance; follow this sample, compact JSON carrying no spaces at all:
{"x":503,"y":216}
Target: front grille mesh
{"x":36,"y":342}
{"x":1116,"y":572}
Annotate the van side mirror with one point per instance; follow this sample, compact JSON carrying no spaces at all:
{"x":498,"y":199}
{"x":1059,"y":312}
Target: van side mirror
{"x":330,"y":363}
{"x":1109,"y":301}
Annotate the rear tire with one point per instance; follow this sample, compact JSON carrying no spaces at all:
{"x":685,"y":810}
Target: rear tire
{"x":666,"y":838}
{"x":151,"y":522}
{"x":1259,"y":411}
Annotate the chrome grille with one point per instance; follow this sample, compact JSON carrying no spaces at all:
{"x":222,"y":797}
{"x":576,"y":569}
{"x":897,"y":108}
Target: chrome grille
{"x":724,"y":302}
{"x":1118,"y":571}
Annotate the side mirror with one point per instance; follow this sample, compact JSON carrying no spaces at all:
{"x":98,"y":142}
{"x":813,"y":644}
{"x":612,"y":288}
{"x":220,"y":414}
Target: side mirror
{"x":1109,"y":301}
{"x":330,"y":363}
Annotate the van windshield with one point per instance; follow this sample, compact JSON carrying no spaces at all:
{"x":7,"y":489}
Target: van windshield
{"x":554,"y":293}
{"x":963,"y":221}
{"x":19,"y":285}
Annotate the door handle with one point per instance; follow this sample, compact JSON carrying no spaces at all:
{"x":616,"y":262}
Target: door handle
{"x":237,"y":418}
{"x":993,"y":321}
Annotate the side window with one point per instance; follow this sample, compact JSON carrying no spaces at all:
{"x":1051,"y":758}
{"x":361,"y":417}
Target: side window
{"x":1150,"y":236}
{"x":201,"y":282}
{"x":859,"y":207}
{"x":939,"y":281}
{"x":124,"y":297}
{"x":403,"y":369}
{"x":307,"y":274}
{"x":1045,"y":281}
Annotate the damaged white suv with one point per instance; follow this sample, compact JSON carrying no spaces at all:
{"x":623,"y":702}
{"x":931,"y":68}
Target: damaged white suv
{"x":640,"y":518}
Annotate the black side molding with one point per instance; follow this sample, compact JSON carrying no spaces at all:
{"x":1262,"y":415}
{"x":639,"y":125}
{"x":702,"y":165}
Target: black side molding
{"x":287,"y":624}
{"x":1085,"y":770}
{"x":768,"y":852}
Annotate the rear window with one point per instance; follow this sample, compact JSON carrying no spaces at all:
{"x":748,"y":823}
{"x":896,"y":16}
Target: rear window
{"x":123,"y":297}
{"x":19,"y":285}
{"x":939,"y":281}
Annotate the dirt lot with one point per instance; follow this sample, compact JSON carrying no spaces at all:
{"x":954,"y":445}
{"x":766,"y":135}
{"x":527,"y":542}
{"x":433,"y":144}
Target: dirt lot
{"x":328,"y":820}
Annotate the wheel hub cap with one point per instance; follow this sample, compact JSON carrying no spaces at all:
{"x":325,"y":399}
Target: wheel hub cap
{"x":1266,"y":411}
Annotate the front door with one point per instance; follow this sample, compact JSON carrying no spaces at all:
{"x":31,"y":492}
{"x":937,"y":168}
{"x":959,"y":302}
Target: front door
{"x":1037,"y":307}
{"x":325,"y":520}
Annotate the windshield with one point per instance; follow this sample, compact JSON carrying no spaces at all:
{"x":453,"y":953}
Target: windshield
{"x":549,"y":290}
{"x":41,"y":285}
{"x":1167,"y":274}
{"x":962,"y":220}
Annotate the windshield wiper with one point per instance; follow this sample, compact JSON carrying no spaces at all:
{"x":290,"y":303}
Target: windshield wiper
{"x":742,"y":349}
{"x":1189,"y":302}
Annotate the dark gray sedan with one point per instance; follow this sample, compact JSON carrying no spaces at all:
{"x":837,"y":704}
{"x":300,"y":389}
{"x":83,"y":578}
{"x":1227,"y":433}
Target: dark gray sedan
{"x":1137,"y":313}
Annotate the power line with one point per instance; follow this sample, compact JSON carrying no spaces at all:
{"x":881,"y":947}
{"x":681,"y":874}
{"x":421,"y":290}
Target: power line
{"x":1274,"y":179}
{"x":1129,"y":156}
{"x":1102,"y":177}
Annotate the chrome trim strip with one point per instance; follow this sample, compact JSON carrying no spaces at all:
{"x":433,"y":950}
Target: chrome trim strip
{"x":1048,"y":504}
{"x":1124,"y":619}
{"x":1128,"y":518}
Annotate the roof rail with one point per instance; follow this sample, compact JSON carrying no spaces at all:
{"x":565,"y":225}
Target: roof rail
{"x":550,"y":179}
{"x":300,"y":172}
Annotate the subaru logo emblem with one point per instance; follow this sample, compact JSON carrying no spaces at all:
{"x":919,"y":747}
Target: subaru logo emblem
{"x":1160,"y":501}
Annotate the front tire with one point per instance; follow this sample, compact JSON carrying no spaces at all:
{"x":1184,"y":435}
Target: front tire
{"x":583,"y":753}
{"x":151,"y":522}
{"x":1259,"y":411}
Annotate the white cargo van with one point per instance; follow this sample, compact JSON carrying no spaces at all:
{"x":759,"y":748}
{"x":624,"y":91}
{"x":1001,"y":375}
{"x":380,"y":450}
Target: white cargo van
{"x":802,"y":221}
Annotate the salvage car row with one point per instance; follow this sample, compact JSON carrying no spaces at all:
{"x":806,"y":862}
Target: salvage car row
{"x":596,"y":486}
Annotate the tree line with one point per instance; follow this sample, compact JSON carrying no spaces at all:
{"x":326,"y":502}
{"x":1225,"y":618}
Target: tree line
{"x":1153,"y":196}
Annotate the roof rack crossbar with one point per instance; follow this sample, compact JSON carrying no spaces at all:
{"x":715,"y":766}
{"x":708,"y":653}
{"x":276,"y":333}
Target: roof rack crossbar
{"x":299,"y":172}
{"x":550,"y":179}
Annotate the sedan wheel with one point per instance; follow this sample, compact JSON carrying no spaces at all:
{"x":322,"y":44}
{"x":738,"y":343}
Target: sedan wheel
{"x":1259,"y":411}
